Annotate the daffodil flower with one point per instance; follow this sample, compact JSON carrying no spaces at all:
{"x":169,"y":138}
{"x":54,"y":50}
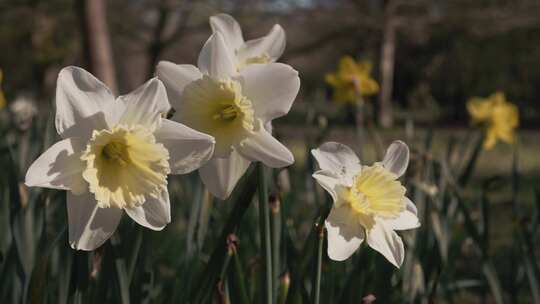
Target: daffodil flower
{"x":235,"y":108}
{"x":499,"y":117}
{"x":115,"y":156}
{"x":369,"y":201}
{"x":262,"y":50}
{"x":352,"y":80}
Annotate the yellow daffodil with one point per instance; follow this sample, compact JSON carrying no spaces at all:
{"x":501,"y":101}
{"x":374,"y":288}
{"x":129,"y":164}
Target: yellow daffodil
{"x":2,"y":97}
{"x":257,"y":51}
{"x":498,"y":116}
{"x":235,"y":107}
{"x":115,"y":156}
{"x":352,"y":80}
{"x":369,"y":201}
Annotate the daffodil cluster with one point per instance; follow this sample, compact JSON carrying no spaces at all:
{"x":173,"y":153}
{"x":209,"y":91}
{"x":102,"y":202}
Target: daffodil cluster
{"x":116,"y":152}
{"x":352,"y":81}
{"x":233,"y":94}
{"x":498,"y":117}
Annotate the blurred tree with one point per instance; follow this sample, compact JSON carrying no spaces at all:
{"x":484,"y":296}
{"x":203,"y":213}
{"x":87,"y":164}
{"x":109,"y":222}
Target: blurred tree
{"x":162,"y":39}
{"x":388,"y":50}
{"x":96,"y":41}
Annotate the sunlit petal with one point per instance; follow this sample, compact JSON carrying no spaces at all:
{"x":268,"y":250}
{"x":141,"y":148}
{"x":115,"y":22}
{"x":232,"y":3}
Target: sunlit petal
{"x":89,"y":225}
{"x":383,"y":239}
{"x":345,"y":234}
{"x":229,"y":28}
{"x":339,"y":159}
{"x":80,"y":103}
{"x":396,"y":159}
{"x":60,"y":167}
{"x":154,"y":214}
{"x":220,"y":175}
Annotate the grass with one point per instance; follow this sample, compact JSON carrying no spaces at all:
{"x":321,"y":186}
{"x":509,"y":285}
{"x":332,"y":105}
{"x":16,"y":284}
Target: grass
{"x":443,"y":259}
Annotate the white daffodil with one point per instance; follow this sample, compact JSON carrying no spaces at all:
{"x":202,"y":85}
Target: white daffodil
{"x":262,"y":50}
{"x":115,"y":156}
{"x":369,"y":201}
{"x":234,"y":108}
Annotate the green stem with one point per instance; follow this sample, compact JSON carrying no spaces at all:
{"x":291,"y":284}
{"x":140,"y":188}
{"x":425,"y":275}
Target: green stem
{"x":221,"y":291}
{"x":135,"y":253}
{"x":209,"y":277}
{"x":359,"y":124}
{"x":239,"y":276}
{"x":276,"y":241}
{"x":493,"y":281}
{"x":204,"y":217}
{"x":316,"y":298}
{"x":466,"y":175}
{"x":264,"y":220}
{"x":193,"y":218}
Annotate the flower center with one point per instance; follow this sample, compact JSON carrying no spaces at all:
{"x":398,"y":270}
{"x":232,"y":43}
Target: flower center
{"x":116,"y":152}
{"x":218,"y":108}
{"x":125,"y":166}
{"x":375,"y":192}
{"x":227,"y":113}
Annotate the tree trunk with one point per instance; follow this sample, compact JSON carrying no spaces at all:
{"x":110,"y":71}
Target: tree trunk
{"x":97,"y":45}
{"x":388,"y":49}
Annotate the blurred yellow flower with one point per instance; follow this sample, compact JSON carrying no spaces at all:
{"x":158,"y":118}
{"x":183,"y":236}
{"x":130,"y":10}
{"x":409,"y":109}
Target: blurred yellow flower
{"x":352,"y":80}
{"x":498,"y":116}
{"x":2,"y":97}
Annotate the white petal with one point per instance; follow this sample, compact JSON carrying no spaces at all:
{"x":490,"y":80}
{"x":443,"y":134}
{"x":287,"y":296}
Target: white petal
{"x":145,"y":105}
{"x":271,"y":88}
{"x":345,"y":234}
{"x":396,"y":159}
{"x":188,"y":149}
{"x":338,"y":159}
{"x":60,"y":167}
{"x":216,"y":58}
{"x":89,"y":225}
{"x":272,"y":45}
{"x":383,"y":239}
{"x":263,"y":147}
{"x":328,"y":181}
{"x":229,"y":28}
{"x":407,"y":219}
{"x":176,"y":77}
{"x":220,"y":175}
{"x":81,"y":103}
{"x":154,"y":214}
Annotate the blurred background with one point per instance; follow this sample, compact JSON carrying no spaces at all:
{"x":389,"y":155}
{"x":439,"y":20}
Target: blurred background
{"x":478,"y":210}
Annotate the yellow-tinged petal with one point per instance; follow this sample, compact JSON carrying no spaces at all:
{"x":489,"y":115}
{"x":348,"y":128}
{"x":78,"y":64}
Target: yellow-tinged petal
{"x":479,"y":109}
{"x":365,"y":66}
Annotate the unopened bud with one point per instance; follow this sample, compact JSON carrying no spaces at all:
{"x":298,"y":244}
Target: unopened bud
{"x":370,"y":298}
{"x":232,"y":243}
{"x":274,"y":203}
